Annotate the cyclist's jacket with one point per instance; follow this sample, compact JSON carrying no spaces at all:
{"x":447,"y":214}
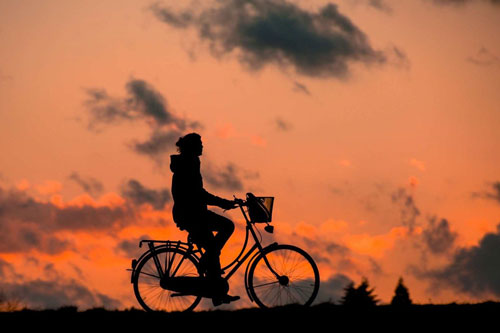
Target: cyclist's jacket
{"x":190,"y":198}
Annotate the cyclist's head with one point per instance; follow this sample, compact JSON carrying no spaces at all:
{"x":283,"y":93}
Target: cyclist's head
{"x":190,"y":144}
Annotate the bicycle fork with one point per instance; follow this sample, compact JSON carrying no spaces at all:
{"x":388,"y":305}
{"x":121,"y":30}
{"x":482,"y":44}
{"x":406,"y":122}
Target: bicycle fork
{"x":282,"y":279}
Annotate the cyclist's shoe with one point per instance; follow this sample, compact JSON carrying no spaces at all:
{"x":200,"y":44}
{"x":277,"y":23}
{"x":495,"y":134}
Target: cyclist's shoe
{"x":225,"y":299}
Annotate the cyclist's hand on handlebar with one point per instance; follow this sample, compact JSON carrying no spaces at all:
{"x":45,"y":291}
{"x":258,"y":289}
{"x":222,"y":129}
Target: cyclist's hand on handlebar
{"x":230,"y":204}
{"x":239,"y":202}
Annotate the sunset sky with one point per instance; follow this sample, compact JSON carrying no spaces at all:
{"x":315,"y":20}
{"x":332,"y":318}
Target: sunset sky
{"x":373,"y":123}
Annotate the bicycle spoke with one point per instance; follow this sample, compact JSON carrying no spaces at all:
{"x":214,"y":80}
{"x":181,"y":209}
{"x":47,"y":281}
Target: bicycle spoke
{"x":265,"y":284}
{"x":152,"y":275}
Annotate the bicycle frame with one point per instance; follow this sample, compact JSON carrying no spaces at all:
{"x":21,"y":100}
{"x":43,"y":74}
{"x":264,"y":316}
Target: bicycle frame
{"x":191,"y":251}
{"x":257,"y":245}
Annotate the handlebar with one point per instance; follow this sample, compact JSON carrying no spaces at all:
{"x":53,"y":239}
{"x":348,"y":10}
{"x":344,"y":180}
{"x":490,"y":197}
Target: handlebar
{"x":240,"y":202}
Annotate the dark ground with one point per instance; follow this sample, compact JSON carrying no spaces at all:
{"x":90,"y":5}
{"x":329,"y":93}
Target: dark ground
{"x":483,"y":317}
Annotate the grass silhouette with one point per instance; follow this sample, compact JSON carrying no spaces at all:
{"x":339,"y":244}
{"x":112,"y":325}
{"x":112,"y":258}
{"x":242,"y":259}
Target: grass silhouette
{"x":321,"y":317}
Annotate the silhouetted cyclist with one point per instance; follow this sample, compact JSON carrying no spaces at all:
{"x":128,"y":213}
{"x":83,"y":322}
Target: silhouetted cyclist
{"x":190,"y":210}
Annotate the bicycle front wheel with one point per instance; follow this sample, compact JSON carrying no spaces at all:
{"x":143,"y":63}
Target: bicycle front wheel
{"x":283,"y":275}
{"x":148,"y":291}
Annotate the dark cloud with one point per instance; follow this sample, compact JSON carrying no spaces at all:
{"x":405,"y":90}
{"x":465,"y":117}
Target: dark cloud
{"x":380,"y":5}
{"x":332,"y":289}
{"x":462,"y":2}
{"x":159,"y":143}
{"x":263,"y":32}
{"x":326,"y":252}
{"x":438,"y":237}
{"x":227,"y":177}
{"x":105,"y":109}
{"x":28,"y":224}
{"x":282,"y":124}
{"x":53,"y":294}
{"x":299,"y":87}
{"x":493,"y":193}
{"x":130,"y":247}
{"x":139,"y":194}
{"x":53,"y":291}
{"x":409,"y":211}
{"x":143,"y":102}
{"x":472,"y":270}
{"x":322,"y":250}
{"x":88,"y":184}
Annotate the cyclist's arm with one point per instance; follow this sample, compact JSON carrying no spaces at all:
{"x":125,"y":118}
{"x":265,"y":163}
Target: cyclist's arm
{"x":214,"y":200}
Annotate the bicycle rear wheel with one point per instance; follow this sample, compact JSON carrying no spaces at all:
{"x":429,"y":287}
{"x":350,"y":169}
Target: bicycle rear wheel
{"x":147,"y":288}
{"x":295,"y":279}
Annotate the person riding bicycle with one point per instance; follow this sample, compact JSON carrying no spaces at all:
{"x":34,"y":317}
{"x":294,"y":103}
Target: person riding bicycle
{"x":190,"y":210}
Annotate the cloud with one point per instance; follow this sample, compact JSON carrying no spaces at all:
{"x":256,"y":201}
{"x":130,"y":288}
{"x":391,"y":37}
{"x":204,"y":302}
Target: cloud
{"x":151,"y":104}
{"x":473,"y":270}
{"x":142,"y":103}
{"x":49,"y":187}
{"x":323,"y":250}
{"x":89,"y":184}
{"x":130,"y":247}
{"x":317,"y":44}
{"x":6,"y":269}
{"x":139,"y":194}
{"x":438,"y":237}
{"x":105,"y":109}
{"x":28,"y":224}
{"x":53,"y":294}
{"x":227,"y":177}
{"x":159,"y":143}
{"x":462,"y":2}
{"x":282,"y":124}
{"x":299,"y":87}
{"x":53,"y":291}
{"x":492,"y":194}
{"x":332,"y":290}
{"x":409,"y":211}
{"x":380,"y":5}
{"x":484,"y":57}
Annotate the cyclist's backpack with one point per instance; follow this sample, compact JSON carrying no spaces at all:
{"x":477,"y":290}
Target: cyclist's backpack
{"x":260,"y":209}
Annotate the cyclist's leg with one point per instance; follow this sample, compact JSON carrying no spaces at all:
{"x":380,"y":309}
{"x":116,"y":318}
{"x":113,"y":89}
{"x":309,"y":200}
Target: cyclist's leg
{"x":224,"y":228}
{"x":204,"y":238}
{"x":222,"y":225}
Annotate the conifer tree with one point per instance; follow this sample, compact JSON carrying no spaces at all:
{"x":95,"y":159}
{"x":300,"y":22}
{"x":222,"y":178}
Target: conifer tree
{"x":361,"y":296}
{"x":401,"y":295}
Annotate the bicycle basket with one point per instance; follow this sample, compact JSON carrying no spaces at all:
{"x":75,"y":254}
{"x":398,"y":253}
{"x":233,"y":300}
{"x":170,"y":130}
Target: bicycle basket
{"x":260,"y":209}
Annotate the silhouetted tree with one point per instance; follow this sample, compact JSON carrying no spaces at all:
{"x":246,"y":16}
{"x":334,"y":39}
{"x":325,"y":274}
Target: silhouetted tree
{"x":401,"y":295}
{"x":9,"y":303}
{"x":361,"y":296}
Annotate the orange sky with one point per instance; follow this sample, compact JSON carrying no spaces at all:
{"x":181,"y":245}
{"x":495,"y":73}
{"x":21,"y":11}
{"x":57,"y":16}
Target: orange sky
{"x":365,"y":162}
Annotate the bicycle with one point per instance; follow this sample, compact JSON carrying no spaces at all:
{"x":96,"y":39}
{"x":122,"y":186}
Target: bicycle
{"x":167,"y":276}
